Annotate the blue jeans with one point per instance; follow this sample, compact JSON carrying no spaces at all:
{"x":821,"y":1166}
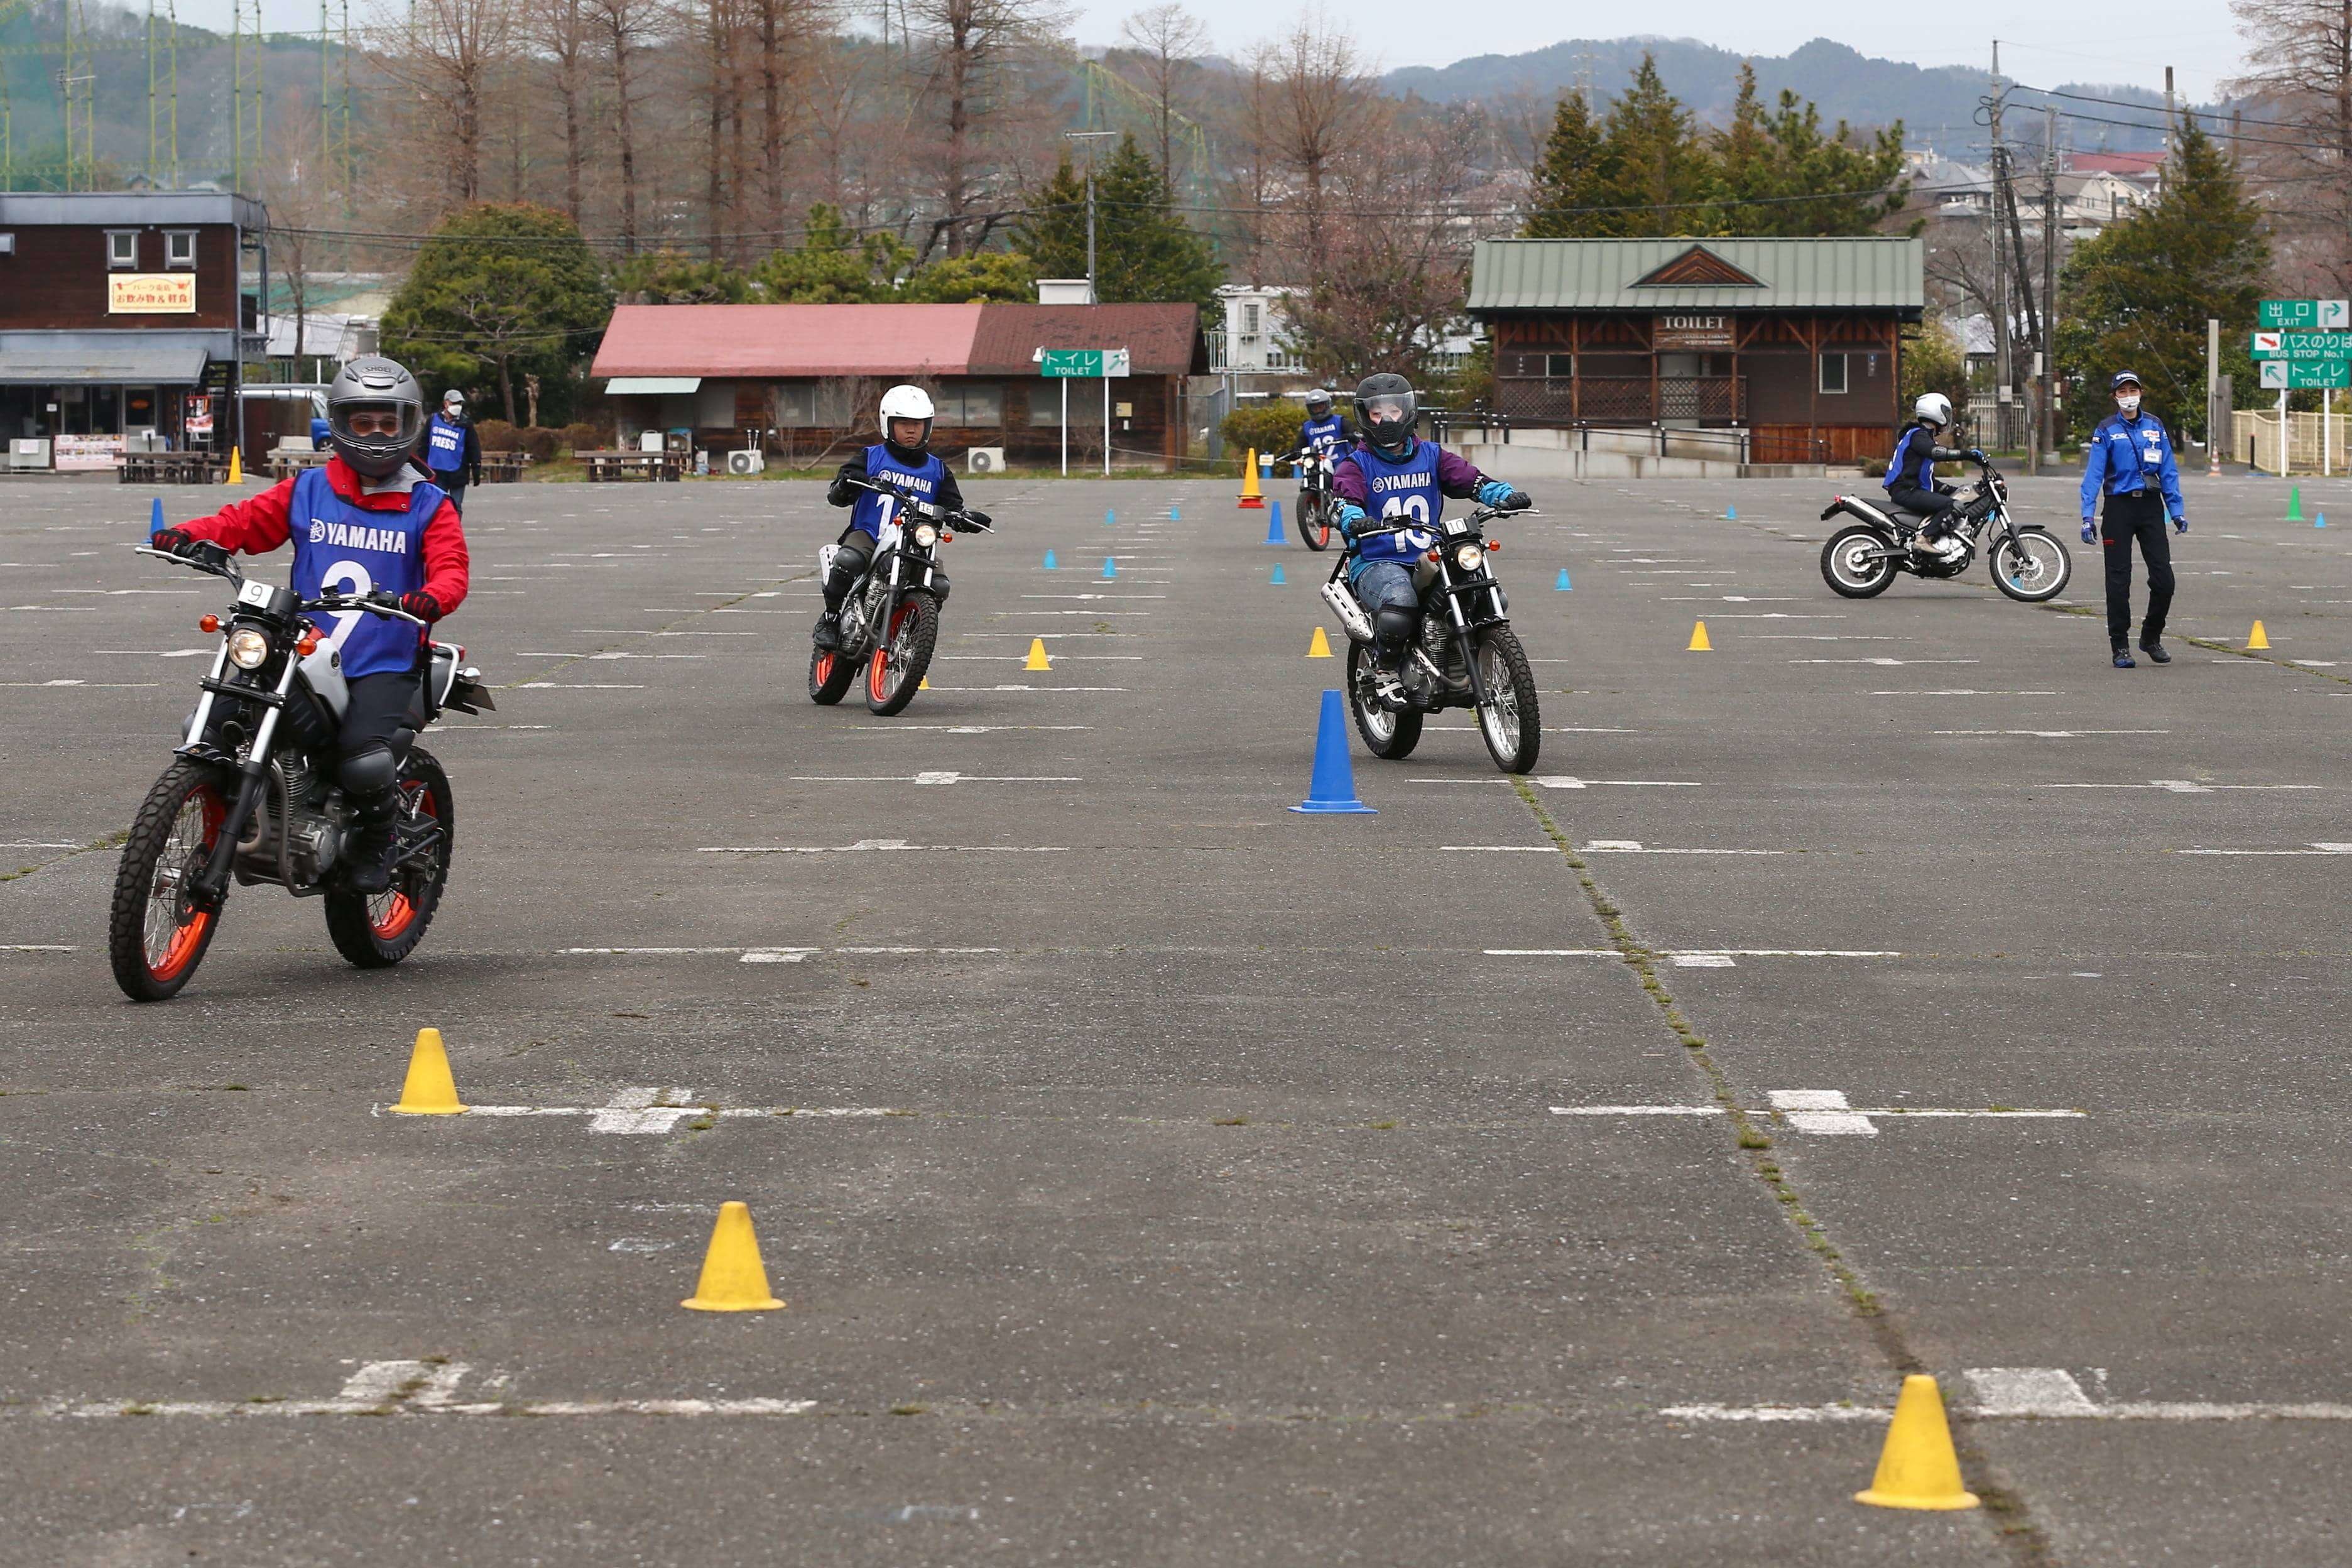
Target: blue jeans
{"x":1380,"y":582}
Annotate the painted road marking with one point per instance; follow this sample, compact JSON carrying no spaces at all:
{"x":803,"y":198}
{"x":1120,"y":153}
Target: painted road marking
{"x":961,"y":729}
{"x":2313,"y":849}
{"x":881,"y":844}
{"x":2180,"y":786}
{"x":2026,"y":1393}
{"x":650,"y":1112}
{"x":1704,"y":953}
{"x":2050,"y":734}
{"x":87,"y":685}
{"x":760,"y":954}
{"x":1966,"y":691}
{"x":940,"y":776}
{"x":383,"y":1388}
{"x":1824,"y":1112}
{"x":36,"y":946}
{"x":1887,"y":662}
{"x":1635,"y":846}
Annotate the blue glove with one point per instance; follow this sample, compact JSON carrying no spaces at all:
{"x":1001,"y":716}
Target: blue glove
{"x":2090,"y":532}
{"x":2179,"y":525}
{"x":1350,"y":514}
{"x":1494,"y":492}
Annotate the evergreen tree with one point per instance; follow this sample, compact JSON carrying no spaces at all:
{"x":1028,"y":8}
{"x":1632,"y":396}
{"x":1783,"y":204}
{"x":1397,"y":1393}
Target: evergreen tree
{"x":2137,"y":296}
{"x":670,"y":278}
{"x":832,"y":265}
{"x":1144,"y":252}
{"x":972,"y":281}
{"x":1856,"y":186}
{"x":1570,"y":175}
{"x":500,"y":292}
{"x":1054,"y":233}
{"x":1656,"y":169}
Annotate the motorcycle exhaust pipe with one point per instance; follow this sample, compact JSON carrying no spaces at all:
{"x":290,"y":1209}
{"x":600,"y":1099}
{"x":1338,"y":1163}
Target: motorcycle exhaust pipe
{"x":1352,"y":619}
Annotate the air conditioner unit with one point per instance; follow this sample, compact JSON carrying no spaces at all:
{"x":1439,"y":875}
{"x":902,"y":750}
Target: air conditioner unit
{"x":985,"y":460}
{"x":28,"y":452}
{"x":748,"y":462}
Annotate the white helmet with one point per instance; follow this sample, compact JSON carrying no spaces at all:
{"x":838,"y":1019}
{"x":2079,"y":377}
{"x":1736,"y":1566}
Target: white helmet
{"x":1933,"y":407}
{"x":907,"y":401}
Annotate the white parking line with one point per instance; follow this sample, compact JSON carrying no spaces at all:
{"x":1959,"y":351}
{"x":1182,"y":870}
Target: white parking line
{"x":2313,"y":849}
{"x":882,"y":844}
{"x":2027,"y":1393}
{"x":2181,"y":786}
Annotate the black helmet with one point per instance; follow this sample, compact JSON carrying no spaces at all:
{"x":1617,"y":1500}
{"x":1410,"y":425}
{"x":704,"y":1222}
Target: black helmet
{"x":375,"y":385}
{"x":1386,"y":408}
{"x":1319,"y":404}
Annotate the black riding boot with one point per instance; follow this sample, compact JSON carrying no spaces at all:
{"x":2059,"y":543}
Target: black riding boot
{"x":367,"y":853}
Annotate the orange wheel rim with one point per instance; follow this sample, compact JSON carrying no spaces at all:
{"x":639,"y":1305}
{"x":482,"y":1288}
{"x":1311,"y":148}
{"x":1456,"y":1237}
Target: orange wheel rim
{"x":824,"y":668}
{"x":397,"y":910}
{"x":184,"y":943}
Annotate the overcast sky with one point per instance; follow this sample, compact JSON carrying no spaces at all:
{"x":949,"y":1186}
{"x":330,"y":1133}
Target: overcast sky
{"x":2043,"y":44}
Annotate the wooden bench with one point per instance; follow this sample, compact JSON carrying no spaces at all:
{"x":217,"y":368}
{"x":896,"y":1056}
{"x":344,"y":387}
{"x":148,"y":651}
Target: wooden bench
{"x":504,"y":467}
{"x":285,"y":463}
{"x":624,"y":465}
{"x":173,"y":468}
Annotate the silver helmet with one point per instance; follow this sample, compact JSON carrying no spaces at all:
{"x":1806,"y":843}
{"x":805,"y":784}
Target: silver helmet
{"x":373,"y":384}
{"x":1933,"y":407}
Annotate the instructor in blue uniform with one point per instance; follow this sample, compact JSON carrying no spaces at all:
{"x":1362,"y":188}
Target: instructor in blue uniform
{"x":2131,"y":463}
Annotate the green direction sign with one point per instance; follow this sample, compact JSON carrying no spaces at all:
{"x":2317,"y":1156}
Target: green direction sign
{"x":2303,"y":345}
{"x":2305,"y":314}
{"x":2282,"y":375}
{"x":1089,"y":362}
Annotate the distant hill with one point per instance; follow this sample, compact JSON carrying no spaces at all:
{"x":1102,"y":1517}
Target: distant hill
{"x":1936,"y":104}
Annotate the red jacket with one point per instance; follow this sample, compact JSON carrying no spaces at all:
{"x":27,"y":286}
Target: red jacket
{"x":258,"y":526}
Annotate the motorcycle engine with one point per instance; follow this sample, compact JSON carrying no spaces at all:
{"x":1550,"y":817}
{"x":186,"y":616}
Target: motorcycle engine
{"x":312,"y":842}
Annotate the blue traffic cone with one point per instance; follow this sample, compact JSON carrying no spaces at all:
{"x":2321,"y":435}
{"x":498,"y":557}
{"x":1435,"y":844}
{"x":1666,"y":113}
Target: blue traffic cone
{"x":155,"y":519}
{"x":1049,"y":561}
{"x":1110,"y":516}
{"x":2320,"y":520}
{"x":1276,"y":579}
{"x":1731,"y":514}
{"x":1111,"y":568}
{"x":1274,"y":524}
{"x":1561,"y":586}
{"x":1333,"y":787}
{"x":1174,"y":513}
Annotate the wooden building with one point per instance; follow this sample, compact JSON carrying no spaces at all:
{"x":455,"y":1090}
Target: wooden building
{"x":1793,"y":344}
{"x":124,"y":322}
{"x":802,"y":382}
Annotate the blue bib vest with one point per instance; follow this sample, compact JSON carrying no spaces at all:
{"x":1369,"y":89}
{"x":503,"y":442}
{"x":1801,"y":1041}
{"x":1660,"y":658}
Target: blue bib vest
{"x":1398,"y":492}
{"x":446,"y":446}
{"x":1910,"y":465}
{"x":1329,"y":431}
{"x":350,"y":549}
{"x":922,"y":478}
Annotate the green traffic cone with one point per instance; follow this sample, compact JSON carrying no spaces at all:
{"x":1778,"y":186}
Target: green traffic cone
{"x":2294,"y":503}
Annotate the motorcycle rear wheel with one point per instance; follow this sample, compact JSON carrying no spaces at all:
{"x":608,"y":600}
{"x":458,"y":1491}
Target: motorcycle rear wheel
{"x":155,"y":939}
{"x":2023,"y":566}
{"x":1849,"y":569}
{"x":377,"y":930}
{"x":1388,"y":736}
{"x":1510,"y":721}
{"x":894,"y":671}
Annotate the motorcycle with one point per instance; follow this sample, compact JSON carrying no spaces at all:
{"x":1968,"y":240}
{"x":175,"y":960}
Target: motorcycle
{"x":1860,"y":560}
{"x":1319,"y":510}
{"x":1463,"y":652}
{"x":251,"y":792}
{"x":890,"y":618}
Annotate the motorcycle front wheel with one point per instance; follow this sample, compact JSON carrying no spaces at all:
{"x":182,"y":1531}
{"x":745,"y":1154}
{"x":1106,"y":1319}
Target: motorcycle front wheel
{"x":155,"y":937}
{"x":1388,"y":736}
{"x":2031,"y":566}
{"x":1509,"y":719}
{"x":830,"y":674}
{"x":376,"y":930}
{"x":1315,"y":524}
{"x":894,"y":672}
{"x":1850,"y":566}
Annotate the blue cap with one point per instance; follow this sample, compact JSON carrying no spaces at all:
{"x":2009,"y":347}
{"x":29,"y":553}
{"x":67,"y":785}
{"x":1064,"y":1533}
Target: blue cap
{"x":2122,"y":376}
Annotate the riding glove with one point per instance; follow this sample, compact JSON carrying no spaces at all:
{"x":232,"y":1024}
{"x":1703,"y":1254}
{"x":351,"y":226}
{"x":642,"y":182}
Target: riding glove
{"x":171,"y":540}
{"x":2179,"y":525}
{"x":1974,"y":455}
{"x":2090,"y":532}
{"x":420,"y":604}
{"x":975,"y":519}
{"x":843,"y":492}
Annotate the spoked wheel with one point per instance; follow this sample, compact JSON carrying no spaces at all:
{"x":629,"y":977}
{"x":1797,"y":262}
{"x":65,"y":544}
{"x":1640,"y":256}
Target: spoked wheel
{"x":376,"y":930}
{"x":1388,"y":736}
{"x":2031,"y":566}
{"x":1851,"y":565}
{"x":1315,"y":523}
{"x":895,"y":672}
{"x":1509,"y":718}
{"x":155,"y":937}
{"x":829,"y":673}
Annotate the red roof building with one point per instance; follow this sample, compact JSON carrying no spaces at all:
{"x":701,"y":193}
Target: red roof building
{"x":802,"y":381}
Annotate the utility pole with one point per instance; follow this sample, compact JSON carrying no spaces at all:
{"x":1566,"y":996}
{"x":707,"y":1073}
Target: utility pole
{"x":2001,"y":370}
{"x":2049,"y":280}
{"x":1090,"y":138}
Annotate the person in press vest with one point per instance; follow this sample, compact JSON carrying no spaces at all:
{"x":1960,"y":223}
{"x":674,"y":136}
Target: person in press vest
{"x":1407,"y":479}
{"x":2131,"y":463}
{"x":1911,"y":474}
{"x":453,"y":450}
{"x":903,"y":459}
{"x":366,"y":525}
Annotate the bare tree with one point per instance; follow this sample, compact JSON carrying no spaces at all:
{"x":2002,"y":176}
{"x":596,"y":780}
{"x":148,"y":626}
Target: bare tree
{"x":2299,"y":81}
{"x":966,"y":52}
{"x":1169,"y":37}
{"x":1323,"y":100}
{"x":559,"y":30}
{"x":623,"y":28}
{"x":297,"y":192}
{"x":449,"y":53}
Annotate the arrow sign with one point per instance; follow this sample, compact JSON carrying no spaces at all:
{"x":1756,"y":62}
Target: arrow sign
{"x":2281,"y":375}
{"x":1082,"y":362}
{"x":2306,"y":313}
{"x":2303,"y":345}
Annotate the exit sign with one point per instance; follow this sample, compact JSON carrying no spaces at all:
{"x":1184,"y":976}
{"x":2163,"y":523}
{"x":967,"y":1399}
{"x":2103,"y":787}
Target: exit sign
{"x":2305,"y":313}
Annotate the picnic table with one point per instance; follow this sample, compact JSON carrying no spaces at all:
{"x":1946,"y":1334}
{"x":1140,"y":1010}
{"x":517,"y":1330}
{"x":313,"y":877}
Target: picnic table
{"x":173,"y":468}
{"x":503,"y":467}
{"x":287,"y":461}
{"x":626,"y":465}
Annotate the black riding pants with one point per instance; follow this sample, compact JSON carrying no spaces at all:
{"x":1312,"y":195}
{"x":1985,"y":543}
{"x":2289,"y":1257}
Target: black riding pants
{"x":379,"y":726}
{"x":1934,"y":505}
{"x":849,"y":563}
{"x":2139,"y":516}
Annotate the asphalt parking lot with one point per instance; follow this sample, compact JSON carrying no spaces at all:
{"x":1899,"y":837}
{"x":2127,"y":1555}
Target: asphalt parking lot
{"x":1535,"y":1172}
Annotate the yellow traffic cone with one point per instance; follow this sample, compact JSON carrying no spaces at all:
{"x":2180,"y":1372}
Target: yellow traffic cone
{"x":1252,"y":500}
{"x":430,"y":1090}
{"x":1698,"y":643}
{"x":924,"y":684}
{"x":1037,"y":659}
{"x":235,"y":466}
{"x":2260,"y":638}
{"x":1917,"y":1469}
{"x":733,"y":1280}
{"x":1318,"y":646}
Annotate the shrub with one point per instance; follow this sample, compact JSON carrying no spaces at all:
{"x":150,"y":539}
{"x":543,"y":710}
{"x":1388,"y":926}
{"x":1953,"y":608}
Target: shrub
{"x":1269,"y":427}
{"x":497,"y":435}
{"x":582,"y":436}
{"x":541,"y":444}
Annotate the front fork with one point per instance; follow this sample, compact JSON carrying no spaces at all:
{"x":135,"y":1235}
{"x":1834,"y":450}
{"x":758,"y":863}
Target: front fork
{"x":211,"y":885}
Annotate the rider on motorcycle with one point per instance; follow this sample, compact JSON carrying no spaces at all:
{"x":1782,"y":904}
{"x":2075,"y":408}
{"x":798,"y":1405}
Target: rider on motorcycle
{"x":1408,"y":479}
{"x":1911,"y":474}
{"x":903,"y":459}
{"x":1323,"y":428}
{"x":366,"y":524}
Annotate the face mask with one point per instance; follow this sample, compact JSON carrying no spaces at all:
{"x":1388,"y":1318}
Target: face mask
{"x":2129,"y":404}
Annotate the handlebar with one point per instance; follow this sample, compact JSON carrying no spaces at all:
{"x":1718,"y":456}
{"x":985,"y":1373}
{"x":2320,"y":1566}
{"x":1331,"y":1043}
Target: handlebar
{"x":1479,"y":517}
{"x":964,"y":522}
{"x":331,"y":604}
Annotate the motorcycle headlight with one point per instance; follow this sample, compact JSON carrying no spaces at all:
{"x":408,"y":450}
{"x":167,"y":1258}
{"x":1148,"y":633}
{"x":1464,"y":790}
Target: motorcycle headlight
{"x":247,"y":649}
{"x":1469,"y":557}
{"x":927,"y":534}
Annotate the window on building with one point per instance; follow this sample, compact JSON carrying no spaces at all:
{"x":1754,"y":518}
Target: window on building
{"x":179,"y":247}
{"x":1834,"y":373}
{"x":1250,"y":321}
{"x":814,"y":406}
{"x":122,"y":249}
{"x":1046,"y":403}
{"x":980,"y":407}
{"x":1560,"y":367}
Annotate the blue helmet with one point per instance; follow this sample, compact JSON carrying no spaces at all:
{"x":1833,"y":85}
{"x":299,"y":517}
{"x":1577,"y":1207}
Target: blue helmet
{"x":2121,"y":377}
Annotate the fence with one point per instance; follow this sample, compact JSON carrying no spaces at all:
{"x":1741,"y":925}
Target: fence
{"x":2256,"y":436}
